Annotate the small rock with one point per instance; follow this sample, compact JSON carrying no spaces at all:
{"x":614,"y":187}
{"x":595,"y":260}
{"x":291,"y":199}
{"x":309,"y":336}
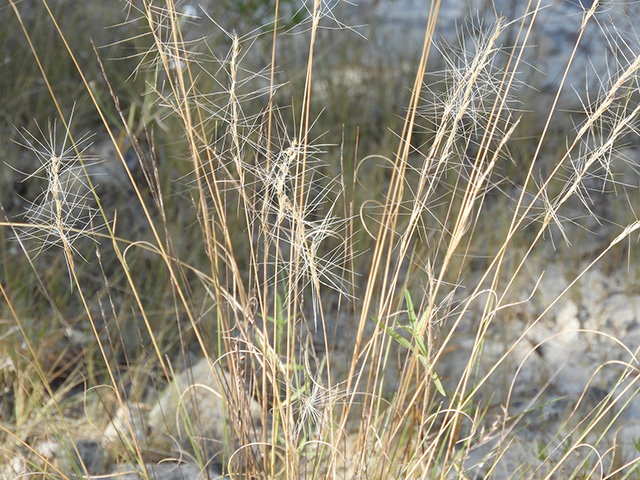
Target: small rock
{"x":162,"y":471}
{"x":204,"y":409}
{"x":127,"y":424}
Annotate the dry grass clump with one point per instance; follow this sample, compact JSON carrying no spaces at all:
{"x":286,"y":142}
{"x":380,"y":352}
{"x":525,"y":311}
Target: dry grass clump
{"x":328,"y":295}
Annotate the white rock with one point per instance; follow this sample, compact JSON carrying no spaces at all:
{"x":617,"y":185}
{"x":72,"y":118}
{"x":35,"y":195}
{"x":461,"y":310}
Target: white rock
{"x":204,"y":408}
{"x":608,"y":37}
{"x":127,"y":424}
{"x":162,"y":471}
{"x":621,"y":312}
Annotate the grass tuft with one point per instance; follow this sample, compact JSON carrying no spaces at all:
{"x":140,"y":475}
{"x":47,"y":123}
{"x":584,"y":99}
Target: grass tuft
{"x":280,"y":297}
